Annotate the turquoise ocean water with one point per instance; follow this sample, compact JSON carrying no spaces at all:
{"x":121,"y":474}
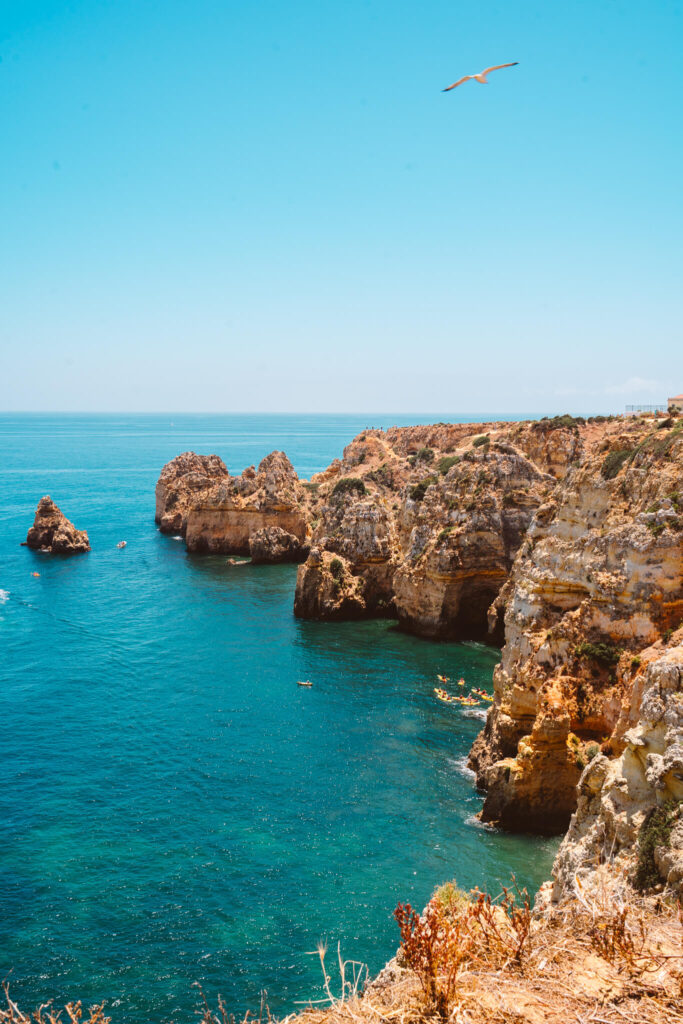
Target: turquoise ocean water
{"x":174,"y":808}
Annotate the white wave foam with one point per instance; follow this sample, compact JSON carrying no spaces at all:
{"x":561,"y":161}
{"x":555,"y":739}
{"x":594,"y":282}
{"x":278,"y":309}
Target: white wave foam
{"x":4,"y":596}
{"x":177,"y":538}
{"x":461,"y":766}
{"x":474,"y":821}
{"x":476,"y":713}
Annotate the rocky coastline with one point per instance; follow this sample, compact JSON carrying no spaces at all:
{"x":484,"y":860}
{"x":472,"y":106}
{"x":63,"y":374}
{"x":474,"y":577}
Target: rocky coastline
{"x":559,"y":540}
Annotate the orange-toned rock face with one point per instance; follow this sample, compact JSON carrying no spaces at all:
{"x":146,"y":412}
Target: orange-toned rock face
{"x":182,"y":482}
{"x":433,"y":536}
{"x":460,"y":539}
{"x":272,"y":544}
{"x":52,"y":531}
{"x":598,"y":579}
{"x":616,"y":796}
{"x":224,"y":518}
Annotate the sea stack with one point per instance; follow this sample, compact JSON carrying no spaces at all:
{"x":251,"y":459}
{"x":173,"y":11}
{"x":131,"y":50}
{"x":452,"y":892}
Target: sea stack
{"x":52,"y":531}
{"x":183,"y":481}
{"x":220,"y":514}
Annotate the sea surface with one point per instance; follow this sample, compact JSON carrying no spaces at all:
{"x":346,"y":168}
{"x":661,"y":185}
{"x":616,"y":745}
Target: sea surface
{"x":173,"y":808}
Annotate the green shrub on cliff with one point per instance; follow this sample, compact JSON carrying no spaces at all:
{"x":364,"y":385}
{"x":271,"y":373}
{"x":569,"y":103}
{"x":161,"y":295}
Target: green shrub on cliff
{"x":381,"y":476}
{"x":443,"y":465}
{"x":348,"y":485}
{"x":425,"y":455}
{"x":418,"y":491}
{"x":614,"y":461}
{"x":481,"y":440}
{"x":337,"y":569}
{"x":451,"y":899}
{"x":608,"y":654}
{"x":655,"y":831}
{"x":565,"y":422}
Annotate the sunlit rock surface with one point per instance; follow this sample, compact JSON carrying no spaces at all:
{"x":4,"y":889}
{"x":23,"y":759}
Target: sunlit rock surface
{"x":52,"y":531}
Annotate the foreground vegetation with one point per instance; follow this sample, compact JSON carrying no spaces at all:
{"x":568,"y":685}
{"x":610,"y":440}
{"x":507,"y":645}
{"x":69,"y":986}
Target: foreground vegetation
{"x":607,"y":955}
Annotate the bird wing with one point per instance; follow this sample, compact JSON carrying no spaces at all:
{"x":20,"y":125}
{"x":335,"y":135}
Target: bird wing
{"x":497,"y":67}
{"x":465,"y":78}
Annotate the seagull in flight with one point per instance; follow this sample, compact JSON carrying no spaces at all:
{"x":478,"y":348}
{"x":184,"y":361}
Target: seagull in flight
{"x":481,"y":77}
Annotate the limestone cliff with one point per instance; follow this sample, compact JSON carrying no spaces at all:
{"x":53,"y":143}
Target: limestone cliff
{"x":598,"y":578}
{"x":561,"y":538}
{"x":272,"y":544}
{"x":430,"y":530}
{"x":183,"y":481}
{"x":630,"y":808}
{"x":53,"y":532}
{"x":224,"y":517}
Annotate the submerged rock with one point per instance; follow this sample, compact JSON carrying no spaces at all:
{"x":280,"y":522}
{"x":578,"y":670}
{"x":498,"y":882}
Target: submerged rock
{"x":52,"y":531}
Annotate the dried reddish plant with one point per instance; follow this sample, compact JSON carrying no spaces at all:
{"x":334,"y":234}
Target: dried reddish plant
{"x":433,"y":947}
{"x":438,"y":945}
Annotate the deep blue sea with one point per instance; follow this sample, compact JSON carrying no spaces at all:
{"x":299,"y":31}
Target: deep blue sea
{"x":174,"y":809}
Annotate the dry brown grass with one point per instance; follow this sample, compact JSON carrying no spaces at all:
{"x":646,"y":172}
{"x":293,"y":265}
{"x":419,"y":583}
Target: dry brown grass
{"x":46,"y":1014}
{"x":605,"y":956}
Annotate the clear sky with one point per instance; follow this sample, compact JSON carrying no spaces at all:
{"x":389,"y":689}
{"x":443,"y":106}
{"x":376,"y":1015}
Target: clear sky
{"x":270,"y":205}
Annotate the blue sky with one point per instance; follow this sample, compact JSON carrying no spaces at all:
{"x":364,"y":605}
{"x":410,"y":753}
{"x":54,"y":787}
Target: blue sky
{"x":272,"y":206}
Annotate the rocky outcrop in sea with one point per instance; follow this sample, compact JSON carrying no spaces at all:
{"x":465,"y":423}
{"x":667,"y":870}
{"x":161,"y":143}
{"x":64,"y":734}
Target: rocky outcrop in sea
{"x":221,"y":514}
{"x":53,"y":532}
{"x":182,"y":482}
{"x":426,"y":522}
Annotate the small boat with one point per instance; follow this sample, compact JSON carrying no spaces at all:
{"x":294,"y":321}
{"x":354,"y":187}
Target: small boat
{"x":443,"y":679}
{"x":461,"y":682}
{"x":304,"y":682}
{"x":35,"y":574}
{"x":121,"y":544}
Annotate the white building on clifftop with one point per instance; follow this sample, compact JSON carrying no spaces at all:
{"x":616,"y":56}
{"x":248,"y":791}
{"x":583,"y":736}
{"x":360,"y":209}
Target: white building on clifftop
{"x":676,"y":402}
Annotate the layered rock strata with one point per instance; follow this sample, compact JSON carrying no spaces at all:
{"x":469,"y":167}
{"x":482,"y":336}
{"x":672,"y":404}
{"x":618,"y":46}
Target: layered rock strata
{"x":53,"y":532}
{"x":272,"y":544}
{"x":218,"y":513}
{"x":426,"y":521}
{"x":634,"y":800}
{"x":598,"y":579}
{"x":182,"y":482}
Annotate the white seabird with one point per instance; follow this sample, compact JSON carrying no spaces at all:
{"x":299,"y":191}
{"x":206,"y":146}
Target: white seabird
{"x":481,"y":76}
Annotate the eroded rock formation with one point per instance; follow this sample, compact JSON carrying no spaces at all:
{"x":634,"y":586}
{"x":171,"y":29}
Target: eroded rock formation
{"x":272,"y":544}
{"x":598,"y":578}
{"x":52,"y":531}
{"x":182,"y":482}
{"x":430,"y":528}
{"x":620,"y":798}
{"x":220,"y":513}
{"x":562,"y":538}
